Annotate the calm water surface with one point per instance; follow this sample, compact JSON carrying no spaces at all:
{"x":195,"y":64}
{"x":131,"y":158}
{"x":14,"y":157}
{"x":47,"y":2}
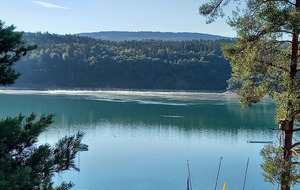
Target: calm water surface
{"x":142,"y":140}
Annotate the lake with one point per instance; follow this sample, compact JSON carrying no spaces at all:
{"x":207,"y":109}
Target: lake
{"x":142,"y":140}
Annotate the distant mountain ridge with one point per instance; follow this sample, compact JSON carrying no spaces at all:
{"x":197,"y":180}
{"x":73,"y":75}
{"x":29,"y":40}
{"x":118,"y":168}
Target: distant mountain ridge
{"x":165,"y":36}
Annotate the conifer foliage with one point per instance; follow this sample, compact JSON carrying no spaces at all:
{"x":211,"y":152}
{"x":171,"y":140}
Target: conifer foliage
{"x":24,"y":165}
{"x":12,"y":48}
{"x":265,"y":61}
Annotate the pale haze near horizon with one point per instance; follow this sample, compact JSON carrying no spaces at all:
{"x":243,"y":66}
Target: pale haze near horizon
{"x":78,"y":16}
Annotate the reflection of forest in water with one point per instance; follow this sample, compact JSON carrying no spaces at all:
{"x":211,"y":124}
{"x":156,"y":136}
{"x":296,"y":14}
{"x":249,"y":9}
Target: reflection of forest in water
{"x":150,"y":138}
{"x":216,"y":114}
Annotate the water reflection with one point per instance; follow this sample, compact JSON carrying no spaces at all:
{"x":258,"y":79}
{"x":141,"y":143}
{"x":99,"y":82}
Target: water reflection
{"x":143,"y":142}
{"x":203,"y":114}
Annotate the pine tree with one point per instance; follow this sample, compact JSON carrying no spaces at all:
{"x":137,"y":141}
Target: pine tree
{"x":12,"y":48}
{"x":23,"y":164}
{"x":264,"y":61}
{"x":26,"y":166}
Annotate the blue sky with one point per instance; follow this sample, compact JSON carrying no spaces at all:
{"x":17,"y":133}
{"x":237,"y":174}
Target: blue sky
{"x":75,"y":16}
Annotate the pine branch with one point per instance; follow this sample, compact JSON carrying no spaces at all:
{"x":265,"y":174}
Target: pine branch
{"x":284,"y":1}
{"x":296,"y":144}
{"x":277,"y":66}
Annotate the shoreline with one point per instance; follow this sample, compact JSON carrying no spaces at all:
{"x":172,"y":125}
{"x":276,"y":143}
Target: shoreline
{"x":112,"y":89}
{"x":129,"y":95}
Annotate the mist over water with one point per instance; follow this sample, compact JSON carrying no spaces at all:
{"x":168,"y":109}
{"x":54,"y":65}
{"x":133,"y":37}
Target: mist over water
{"x":141,"y":140}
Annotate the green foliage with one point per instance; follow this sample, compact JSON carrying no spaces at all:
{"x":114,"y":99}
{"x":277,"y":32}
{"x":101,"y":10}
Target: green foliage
{"x":214,"y":9}
{"x":25,"y":165}
{"x":68,"y":61}
{"x":274,"y":166}
{"x":272,"y":157}
{"x":253,"y":71}
{"x":12,"y":48}
{"x":265,"y":61}
{"x":262,"y":59}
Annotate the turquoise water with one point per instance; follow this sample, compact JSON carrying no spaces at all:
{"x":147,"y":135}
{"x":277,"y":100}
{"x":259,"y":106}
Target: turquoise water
{"x":142,"y":140}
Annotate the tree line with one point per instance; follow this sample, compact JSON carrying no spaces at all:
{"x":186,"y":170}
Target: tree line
{"x":71,"y":61}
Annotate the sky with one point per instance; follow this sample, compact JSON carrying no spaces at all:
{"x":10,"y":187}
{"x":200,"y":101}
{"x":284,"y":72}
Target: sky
{"x":78,"y":16}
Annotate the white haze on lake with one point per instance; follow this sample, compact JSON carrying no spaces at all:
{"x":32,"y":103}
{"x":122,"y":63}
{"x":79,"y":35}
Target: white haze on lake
{"x":176,"y":98}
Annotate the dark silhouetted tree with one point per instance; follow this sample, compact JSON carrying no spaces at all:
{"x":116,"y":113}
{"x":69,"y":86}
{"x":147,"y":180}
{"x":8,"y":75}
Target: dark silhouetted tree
{"x":12,"y":48}
{"x":23,"y":164}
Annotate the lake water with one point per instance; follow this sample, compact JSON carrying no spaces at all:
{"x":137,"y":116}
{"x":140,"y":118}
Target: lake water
{"x":142,"y":140}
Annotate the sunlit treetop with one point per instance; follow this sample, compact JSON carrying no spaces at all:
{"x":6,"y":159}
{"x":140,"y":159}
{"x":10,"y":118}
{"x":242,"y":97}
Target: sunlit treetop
{"x":264,"y":59}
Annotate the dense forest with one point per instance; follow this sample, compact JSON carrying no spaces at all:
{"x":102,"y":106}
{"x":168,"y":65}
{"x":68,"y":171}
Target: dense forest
{"x":71,"y":61}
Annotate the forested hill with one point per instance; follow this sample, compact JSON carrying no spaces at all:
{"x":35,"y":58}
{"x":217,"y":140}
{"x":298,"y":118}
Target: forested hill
{"x":165,"y":36}
{"x":69,"y":61}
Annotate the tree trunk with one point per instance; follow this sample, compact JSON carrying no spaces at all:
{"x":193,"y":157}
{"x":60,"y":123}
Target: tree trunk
{"x":287,"y":126}
{"x":287,"y":142}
